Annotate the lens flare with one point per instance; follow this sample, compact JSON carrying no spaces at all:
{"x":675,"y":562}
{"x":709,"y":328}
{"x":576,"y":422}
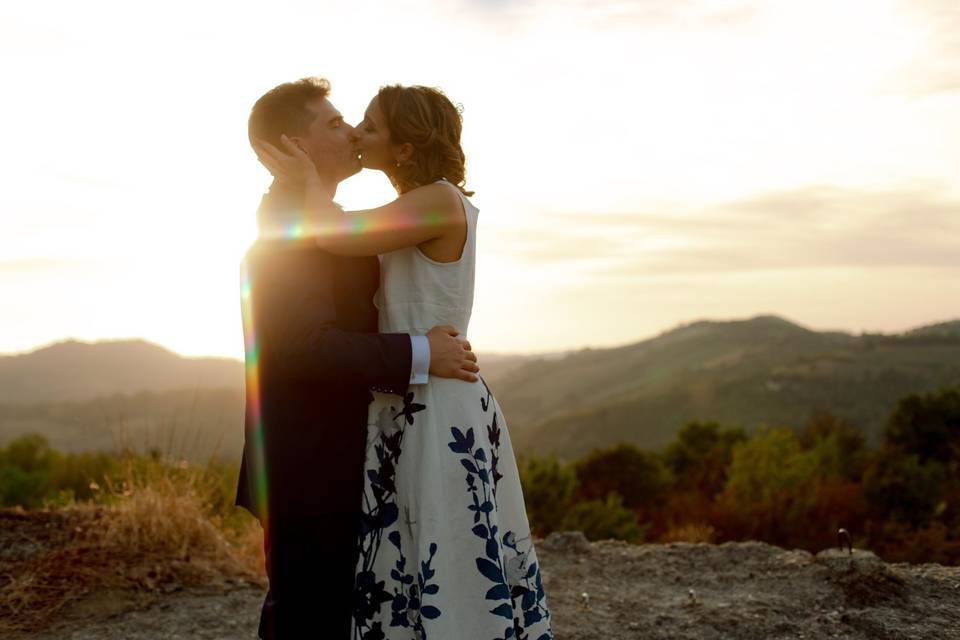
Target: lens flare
{"x":256,"y":460}
{"x":347,"y":225}
{"x":294,"y":230}
{"x":297,"y":228}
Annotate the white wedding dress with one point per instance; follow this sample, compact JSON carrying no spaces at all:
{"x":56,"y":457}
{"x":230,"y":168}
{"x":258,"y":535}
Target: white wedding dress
{"x":446,"y":551}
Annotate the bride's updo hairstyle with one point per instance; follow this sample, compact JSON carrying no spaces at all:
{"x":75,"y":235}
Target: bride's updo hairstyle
{"x":425,"y":118}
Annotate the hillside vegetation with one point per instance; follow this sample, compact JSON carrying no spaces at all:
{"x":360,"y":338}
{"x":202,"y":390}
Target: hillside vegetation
{"x":192,"y":424}
{"x":117,"y":532}
{"x":762,"y":371}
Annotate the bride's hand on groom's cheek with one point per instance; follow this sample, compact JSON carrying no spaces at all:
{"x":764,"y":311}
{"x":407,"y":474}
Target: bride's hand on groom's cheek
{"x":292,"y":166}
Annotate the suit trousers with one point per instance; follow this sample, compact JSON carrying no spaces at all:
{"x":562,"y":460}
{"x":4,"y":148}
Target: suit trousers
{"x":310,"y":563}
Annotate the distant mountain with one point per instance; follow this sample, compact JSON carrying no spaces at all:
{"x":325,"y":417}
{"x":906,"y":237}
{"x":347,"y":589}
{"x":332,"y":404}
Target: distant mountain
{"x":183,"y":424}
{"x":105,"y":395}
{"x":496,"y":366}
{"x":765,"y":370}
{"x":942,"y":329}
{"x":76,"y":371}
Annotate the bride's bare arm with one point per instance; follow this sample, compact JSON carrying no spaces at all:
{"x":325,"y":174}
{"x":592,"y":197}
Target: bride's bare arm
{"x":423,"y":214}
{"x":426,"y":213}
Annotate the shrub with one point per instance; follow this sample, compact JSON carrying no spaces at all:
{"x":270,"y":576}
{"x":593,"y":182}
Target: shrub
{"x":32,"y":475}
{"x":151,"y":523}
{"x":690,"y":532}
{"x":604,"y":519}
{"x":548,"y":490}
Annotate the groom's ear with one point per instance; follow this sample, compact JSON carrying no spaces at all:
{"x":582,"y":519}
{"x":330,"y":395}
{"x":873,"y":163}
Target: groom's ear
{"x":299,"y":142}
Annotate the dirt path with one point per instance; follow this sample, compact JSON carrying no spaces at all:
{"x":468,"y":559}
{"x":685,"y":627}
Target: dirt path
{"x":614,"y":591}
{"x":197,"y":614}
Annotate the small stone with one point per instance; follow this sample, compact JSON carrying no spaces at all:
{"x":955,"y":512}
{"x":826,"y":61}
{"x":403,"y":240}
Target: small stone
{"x":566,"y":542}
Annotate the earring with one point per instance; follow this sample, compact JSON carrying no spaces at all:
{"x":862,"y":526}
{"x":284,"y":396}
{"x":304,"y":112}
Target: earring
{"x":398,"y":163}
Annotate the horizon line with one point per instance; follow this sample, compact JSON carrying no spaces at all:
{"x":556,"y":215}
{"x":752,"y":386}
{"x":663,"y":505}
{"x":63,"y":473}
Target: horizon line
{"x":553,"y":353}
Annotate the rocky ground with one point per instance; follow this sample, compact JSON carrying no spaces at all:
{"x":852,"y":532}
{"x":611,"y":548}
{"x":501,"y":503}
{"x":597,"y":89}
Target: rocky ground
{"x":613,"y":591}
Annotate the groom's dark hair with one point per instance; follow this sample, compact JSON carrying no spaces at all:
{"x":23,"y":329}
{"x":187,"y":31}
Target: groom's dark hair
{"x":283,"y":109}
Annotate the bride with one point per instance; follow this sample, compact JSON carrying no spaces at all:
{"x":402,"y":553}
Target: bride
{"x":445,"y":545}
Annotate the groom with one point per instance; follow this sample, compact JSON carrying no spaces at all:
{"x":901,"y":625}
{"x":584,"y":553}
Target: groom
{"x":313,"y":354}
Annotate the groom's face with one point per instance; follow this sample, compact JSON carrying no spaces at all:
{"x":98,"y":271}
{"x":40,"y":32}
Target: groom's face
{"x":328,"y":142}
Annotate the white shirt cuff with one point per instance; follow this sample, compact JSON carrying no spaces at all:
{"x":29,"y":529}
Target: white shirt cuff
{"x":420,"y":363}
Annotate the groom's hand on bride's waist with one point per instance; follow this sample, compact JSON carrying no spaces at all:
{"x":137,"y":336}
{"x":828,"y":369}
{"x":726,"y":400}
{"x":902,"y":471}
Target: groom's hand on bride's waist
{"x":451,"y":357}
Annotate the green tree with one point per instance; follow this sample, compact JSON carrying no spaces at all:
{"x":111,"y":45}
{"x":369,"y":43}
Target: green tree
{"x":898,"y":486}
{"x":638,"y":476}
{"x":915,"y":476}
{"x":604,"y":519}
{"x":847,"y":442}
{"x":927,"y":425}
{"x":767,"y":467}
{"x":548,"y":490}
{"x":783,"y":494}
{"x":700,"y":456}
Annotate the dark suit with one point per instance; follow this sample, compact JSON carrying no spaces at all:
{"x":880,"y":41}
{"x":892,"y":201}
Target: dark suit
{"x":313,"y":355}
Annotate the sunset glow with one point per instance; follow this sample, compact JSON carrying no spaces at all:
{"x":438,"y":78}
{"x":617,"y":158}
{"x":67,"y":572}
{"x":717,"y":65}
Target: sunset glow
{"x":637,"y":164}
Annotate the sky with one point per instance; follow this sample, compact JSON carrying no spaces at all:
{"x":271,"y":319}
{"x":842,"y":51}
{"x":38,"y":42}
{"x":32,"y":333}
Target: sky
{"x":637,"y":164}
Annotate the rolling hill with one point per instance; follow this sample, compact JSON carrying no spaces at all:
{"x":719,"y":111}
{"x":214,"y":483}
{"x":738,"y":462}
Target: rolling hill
{"x":75,"y":371}
{"x":764,"y":370}
{"x":194,"y":425}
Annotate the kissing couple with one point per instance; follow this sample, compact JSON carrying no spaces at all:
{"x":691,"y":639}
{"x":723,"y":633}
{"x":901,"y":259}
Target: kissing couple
{"x":376,"y":459}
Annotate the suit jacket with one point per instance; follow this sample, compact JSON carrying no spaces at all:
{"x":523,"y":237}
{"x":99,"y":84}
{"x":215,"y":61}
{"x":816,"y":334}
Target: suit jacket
{"x":313,"y":354}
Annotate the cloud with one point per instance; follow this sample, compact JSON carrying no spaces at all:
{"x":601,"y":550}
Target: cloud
{"x":935,"y":69}
{"x":35,"y":265}
{"x":803,"y":229}
{"x":615,"y":15}
{"x":931,"y":63}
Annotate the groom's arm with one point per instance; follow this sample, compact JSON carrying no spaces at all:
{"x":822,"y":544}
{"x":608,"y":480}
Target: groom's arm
{"x":420,"y":356}
{"x":299,"y":319}
{"x":295,"y":315}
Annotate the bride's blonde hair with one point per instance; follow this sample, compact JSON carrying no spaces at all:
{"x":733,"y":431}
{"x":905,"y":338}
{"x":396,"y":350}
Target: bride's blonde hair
{"x":425,"y":118}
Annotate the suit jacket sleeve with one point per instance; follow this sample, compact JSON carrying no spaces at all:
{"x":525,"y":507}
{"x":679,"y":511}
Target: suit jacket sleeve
{"x":294,"y":315}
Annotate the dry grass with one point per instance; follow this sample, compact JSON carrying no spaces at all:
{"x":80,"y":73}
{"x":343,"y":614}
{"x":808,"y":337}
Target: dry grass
{"x":690,"y":532}
{"x":156,"y":530}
